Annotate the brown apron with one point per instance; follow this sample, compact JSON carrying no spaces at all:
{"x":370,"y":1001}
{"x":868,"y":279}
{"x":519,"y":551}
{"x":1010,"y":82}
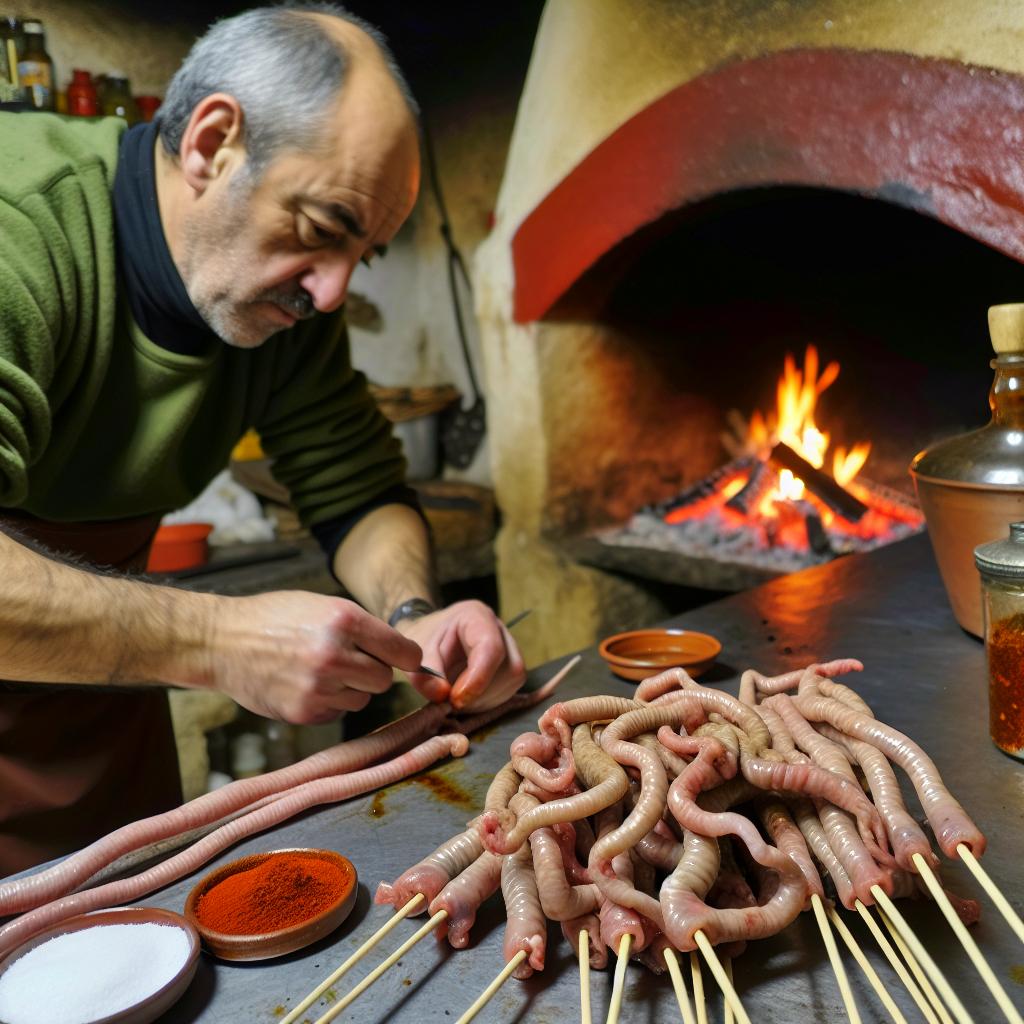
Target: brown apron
{"x":79,"y":761}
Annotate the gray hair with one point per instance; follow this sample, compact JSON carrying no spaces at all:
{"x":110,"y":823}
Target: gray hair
{"x":285,"y":70}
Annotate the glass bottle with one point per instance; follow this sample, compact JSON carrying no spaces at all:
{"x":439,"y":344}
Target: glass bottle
{"x":116,"y":100}
{"x":83,"y":100}
{"x":35,"y":66}
{"x":12,"y":39}
{"x":971,"y":487}
{"x":6,"y":78}
{"x":1001,"y":565}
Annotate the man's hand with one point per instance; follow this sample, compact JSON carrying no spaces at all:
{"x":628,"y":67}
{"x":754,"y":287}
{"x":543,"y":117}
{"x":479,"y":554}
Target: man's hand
{"x":470,"y":645}
{"x":302,"y":657}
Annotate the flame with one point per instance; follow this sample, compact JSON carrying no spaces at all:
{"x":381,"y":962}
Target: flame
{"x":792,"y":423}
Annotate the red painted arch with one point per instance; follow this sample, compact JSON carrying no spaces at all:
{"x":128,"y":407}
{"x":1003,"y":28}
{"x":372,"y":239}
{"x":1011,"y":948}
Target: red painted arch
{"x":938,"y":136}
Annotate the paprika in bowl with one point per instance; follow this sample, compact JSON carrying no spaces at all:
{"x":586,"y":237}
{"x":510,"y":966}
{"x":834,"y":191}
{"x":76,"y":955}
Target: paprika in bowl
{"x":269,"y":904}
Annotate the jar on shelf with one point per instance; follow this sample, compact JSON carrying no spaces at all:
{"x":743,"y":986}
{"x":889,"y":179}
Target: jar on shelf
{"x":147,"y":106}
{"x":83,"y":100}
{"x":1001,"y":565}
{"x":116,"y":98}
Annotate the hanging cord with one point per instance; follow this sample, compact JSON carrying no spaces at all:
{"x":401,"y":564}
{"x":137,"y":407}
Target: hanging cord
{"x":456,"y":266}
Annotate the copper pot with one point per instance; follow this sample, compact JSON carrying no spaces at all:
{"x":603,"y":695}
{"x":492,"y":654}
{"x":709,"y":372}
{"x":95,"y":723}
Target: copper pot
{"x":960,"y":517}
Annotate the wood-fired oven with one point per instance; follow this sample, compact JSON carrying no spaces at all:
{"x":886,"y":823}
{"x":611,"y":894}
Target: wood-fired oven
{"x":696,"y":189}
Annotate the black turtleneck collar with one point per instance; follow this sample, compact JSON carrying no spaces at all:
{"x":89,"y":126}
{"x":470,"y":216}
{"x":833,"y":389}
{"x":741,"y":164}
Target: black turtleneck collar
{"x":156,"y":293}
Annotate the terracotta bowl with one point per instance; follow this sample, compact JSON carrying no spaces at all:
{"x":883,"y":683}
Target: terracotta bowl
{"x":152,"y":1007}
{"x":179,"y":546}
{"x":646,"y":652}
{"x":285,"y":940}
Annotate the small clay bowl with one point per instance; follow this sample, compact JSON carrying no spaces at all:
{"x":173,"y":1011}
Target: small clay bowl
{"x":646,"y":652}
{"x":153,"y":1006}
{"x":285,"y":940}
{"x":179,"y":546}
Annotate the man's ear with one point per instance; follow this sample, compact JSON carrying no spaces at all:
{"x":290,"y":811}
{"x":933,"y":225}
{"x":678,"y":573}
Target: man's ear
{"x":212,"y":141}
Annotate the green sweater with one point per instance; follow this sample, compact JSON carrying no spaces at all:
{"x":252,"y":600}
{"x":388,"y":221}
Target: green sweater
{"x":99,"y":422}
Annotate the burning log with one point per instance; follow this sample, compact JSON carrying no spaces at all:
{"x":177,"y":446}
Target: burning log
{"x":760,"y":482}
{"x":704,"y":487}
{"x":840,"y":500}
{"x":817,"y":536}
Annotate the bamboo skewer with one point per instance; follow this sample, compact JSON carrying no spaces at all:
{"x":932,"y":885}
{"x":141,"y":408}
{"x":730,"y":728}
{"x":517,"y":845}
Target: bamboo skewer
{"x":727,"y":1015}
{"x":833,"y":955}
{"x":699,"y":1002}
{"x":485,"y":997}
{"x":704,"y":945}
{"x":897,"y":965}
{"x":937,"y":977}
{"x":922,"y":978}
{"x":985,"y":880}
{"x":672,"y":962}
{"x":620,"y":979}
{"x":365,"y":948}
{"x":404,"y":948}
{"x":970,"y":946}
{"x":584,"y":958}
{"x":869,"y":972}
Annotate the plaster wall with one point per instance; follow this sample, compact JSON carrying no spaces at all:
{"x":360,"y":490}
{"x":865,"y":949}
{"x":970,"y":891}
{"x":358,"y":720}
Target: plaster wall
{"x":418,"y":341}
{"x":103,"y":38}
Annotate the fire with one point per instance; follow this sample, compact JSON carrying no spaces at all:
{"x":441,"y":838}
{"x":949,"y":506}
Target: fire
{"x":793,"y":424}
{"x":758,"y":502}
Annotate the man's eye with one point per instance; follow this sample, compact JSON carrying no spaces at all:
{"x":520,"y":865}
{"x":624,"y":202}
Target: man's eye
{"x":313,"y":234}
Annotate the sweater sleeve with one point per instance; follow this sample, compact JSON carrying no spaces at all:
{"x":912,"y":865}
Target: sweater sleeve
{"x":332,"y":447}
{"x":30,"y":326}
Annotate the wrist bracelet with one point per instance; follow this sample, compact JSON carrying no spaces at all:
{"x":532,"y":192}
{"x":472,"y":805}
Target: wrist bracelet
{"x":414,"y":608}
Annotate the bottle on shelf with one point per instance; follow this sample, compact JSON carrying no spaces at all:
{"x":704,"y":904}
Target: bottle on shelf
{"x":35,"y":66}
{"x":83,"y":99}
{"x":12,"y":41}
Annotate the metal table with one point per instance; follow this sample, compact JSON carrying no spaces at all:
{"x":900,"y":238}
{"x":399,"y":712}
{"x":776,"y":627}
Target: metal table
{"x":923,"y":675}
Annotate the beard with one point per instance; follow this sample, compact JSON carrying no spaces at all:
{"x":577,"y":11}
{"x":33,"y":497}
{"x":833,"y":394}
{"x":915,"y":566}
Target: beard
{"x":217,"y":258}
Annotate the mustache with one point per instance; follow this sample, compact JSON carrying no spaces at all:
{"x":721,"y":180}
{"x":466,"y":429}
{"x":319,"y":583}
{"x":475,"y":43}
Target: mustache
{"x":296,"y":301}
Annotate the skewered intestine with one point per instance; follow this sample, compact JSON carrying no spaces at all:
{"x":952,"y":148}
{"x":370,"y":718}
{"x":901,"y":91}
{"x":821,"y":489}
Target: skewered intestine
{"x":434,"y":872}
{"x":672,"y":779}
{"x":526,"y":928}
{"x":462,"y":896}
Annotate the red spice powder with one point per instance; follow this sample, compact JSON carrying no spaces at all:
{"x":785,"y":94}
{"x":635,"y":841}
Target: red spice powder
{"x":1006,"y":683}
{"x":280,"y":892}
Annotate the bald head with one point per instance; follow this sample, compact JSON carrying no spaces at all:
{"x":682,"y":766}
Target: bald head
{"x":287,"y":67}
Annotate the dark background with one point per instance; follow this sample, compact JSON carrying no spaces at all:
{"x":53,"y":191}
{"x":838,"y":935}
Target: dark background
{"x":442,"y":47}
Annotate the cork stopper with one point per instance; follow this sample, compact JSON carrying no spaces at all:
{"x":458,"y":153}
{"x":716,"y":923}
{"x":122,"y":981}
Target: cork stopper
{"x":1006,"y":326}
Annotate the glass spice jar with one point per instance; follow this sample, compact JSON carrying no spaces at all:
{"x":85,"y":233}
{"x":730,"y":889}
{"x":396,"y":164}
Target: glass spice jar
{"x":1001,"y":564}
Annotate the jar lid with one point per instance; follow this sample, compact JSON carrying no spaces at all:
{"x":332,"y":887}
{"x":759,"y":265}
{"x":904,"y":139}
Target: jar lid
{"x":1003,"y":557}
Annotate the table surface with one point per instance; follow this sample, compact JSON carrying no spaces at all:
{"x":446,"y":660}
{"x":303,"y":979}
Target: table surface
{"x":923,"y":675}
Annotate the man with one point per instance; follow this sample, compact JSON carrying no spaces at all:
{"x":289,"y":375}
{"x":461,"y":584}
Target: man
{"x":163,"y":290}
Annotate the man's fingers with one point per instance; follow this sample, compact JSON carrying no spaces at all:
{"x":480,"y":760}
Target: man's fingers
{"x":433,"y":689}
{"x":485,"y":661}
{"x":347,"y":700}
{"x":380,"y":641}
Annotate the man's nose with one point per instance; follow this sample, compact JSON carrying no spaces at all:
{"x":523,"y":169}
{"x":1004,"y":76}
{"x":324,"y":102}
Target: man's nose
{"x":326,"y":281}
